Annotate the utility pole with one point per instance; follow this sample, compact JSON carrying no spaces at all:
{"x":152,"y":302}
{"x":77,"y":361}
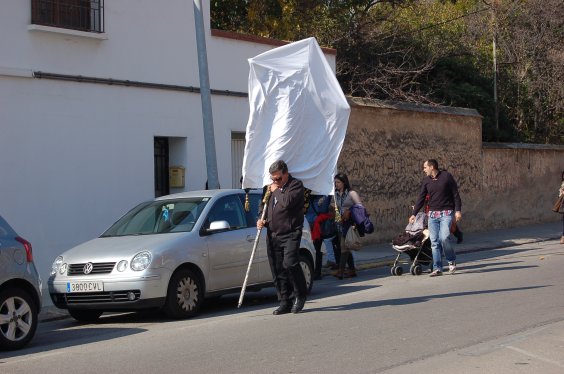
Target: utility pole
{"x":209,"y":139}
{"x":494,"y":32}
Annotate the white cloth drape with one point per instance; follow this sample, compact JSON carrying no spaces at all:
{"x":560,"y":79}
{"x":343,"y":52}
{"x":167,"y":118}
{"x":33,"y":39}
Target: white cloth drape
{"x":298,"y":113}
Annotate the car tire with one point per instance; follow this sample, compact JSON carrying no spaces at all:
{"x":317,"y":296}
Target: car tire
{"x":307,"y":269}
{"x":15,"y":334}
{"x":185,"y":295}
{"x":85,"y":315}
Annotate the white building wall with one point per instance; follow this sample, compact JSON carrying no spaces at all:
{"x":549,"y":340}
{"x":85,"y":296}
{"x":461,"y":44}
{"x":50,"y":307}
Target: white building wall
{"x":75,"y":156}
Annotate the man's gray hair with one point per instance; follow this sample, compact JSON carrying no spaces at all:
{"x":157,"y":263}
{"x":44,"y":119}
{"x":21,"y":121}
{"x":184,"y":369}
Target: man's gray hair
{"x":278,"y":166}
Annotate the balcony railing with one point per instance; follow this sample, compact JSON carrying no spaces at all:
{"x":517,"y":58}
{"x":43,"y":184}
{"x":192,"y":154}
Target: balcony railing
{"x":83,"y":15}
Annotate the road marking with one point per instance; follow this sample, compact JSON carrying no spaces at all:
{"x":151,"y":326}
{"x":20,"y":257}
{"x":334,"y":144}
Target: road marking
{"x":522,"y":351}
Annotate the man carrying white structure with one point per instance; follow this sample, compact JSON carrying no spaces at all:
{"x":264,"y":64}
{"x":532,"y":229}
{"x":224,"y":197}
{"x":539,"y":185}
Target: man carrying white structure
{"x":299,"y":114}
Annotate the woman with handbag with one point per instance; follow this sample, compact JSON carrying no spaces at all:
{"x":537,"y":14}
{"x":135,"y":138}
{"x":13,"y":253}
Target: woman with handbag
{"x":345,"y":198}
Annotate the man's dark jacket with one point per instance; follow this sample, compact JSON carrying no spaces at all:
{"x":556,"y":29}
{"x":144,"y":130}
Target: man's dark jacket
{"x":285,"y":211}
{"x":442,"y":191}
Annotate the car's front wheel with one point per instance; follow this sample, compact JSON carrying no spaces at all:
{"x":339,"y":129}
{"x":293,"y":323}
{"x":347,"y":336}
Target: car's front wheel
{"x":85,"y":315}
{"x":18,"y":318}
{"x":185,"y":295}
{"x":307,"y":269}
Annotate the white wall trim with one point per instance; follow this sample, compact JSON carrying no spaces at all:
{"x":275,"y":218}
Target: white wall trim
{"x":58,"y":30}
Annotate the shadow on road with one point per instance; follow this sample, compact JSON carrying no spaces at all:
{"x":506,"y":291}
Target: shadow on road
{"x":496,"y":269}
{"x":488,"y":264}
{"x":412,"y":300}
{"x":67,"y":336}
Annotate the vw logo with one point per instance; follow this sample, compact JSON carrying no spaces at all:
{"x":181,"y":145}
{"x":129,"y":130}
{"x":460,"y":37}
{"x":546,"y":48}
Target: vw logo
{"x":88,"y":268}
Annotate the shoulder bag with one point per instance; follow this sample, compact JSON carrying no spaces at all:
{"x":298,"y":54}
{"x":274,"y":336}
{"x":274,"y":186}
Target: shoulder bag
{"x":559,"y":205}
{"x":352,"y":240}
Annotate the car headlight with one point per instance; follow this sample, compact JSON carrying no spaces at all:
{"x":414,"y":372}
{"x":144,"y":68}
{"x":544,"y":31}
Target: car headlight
{"x":141,"y":261}
{"x":56,"y":265}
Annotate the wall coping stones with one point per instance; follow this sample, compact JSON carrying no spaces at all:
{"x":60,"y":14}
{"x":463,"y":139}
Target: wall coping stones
{"x":396,"y":105}
{"x":551,"y":147}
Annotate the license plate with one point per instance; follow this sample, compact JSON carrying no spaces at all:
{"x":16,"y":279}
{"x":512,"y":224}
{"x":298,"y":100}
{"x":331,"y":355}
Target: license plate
{"x":73,"y":287}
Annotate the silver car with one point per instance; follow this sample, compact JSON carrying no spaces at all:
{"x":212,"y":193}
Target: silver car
{"x":20,"y":289}
{"x":169,"y":253}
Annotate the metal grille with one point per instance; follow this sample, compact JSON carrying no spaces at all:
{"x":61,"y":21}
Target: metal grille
{"x":84,"y":15}
{"x":97,"y":268}
{"x":161,"y":167}
{"x":100,"y":297}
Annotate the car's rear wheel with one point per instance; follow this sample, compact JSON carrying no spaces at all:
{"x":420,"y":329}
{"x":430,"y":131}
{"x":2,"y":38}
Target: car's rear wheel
{"x":85,"y":315}
{"x":307,"y":269}
{"x":18,"y":318}
{"x":185,"y":295}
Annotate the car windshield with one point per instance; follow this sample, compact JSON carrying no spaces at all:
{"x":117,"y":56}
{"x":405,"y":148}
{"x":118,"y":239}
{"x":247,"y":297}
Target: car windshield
{"x":158,"y":217}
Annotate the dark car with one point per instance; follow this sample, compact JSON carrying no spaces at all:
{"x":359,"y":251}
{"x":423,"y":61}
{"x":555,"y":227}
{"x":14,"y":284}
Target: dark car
{"x":20,"y":290}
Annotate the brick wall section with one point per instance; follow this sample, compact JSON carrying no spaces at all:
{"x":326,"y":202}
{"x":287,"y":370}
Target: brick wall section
{"x":387,"y":143}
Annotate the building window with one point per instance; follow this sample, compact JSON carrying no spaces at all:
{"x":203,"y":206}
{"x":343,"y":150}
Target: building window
{"x":237,"y":154}
{"x":83,"y":15}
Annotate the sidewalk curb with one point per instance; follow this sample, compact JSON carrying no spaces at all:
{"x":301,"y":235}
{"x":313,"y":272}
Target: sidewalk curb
{"x":389,"y":260}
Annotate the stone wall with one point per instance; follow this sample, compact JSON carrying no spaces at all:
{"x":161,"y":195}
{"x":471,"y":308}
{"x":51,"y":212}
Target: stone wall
{"x":520,"y":183}
{"x":387,"y":143}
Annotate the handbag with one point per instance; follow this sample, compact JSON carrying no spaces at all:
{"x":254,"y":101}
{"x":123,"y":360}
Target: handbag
{"x":558,"y":205}
{"x":352,"y":240}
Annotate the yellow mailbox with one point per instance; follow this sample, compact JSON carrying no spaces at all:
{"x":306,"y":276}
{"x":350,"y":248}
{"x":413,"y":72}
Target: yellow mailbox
{"x":176,"y":176}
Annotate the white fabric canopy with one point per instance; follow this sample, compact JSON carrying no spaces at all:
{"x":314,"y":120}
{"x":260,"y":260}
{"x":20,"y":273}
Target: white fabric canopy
{"x":298,"y":113}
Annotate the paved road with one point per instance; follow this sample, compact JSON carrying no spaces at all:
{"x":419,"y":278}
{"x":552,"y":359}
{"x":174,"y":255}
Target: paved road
{"x":503,"y":312}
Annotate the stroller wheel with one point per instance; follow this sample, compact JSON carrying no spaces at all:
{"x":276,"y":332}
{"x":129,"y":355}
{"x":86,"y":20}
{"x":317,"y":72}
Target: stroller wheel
{"x":397,"y":270}
{"x":416,"y":270}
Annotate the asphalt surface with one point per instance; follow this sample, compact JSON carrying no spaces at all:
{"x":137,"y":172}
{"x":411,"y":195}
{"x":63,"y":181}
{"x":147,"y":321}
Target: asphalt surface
{"x":379,"y":255}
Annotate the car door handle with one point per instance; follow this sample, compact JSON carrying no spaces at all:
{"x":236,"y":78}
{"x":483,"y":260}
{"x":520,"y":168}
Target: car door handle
{"x":250,"y":238}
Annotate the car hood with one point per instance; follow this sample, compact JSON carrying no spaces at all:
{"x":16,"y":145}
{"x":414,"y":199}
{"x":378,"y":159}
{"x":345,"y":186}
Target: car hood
{"x":120,"y":247}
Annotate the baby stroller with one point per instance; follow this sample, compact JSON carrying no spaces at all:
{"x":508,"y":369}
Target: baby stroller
{"x":415,"y":243}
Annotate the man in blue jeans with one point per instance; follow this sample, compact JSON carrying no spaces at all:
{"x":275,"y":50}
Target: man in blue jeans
{"x":444,"y":205}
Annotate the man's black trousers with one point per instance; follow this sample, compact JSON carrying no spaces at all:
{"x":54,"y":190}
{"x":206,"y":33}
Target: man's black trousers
{"x":283,"y":256}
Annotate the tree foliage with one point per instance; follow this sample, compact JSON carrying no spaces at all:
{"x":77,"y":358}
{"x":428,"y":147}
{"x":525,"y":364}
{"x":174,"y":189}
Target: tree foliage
{"x":433,"y":52}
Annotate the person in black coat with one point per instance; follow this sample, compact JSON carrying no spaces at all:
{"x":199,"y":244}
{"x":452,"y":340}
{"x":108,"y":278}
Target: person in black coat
{"x":284,"y":223}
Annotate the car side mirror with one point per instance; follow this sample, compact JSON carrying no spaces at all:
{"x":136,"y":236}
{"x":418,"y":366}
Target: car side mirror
{"x":219,"y":226}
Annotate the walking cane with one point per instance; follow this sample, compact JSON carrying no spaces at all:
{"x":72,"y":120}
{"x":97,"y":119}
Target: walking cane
{"x":265,"y":204}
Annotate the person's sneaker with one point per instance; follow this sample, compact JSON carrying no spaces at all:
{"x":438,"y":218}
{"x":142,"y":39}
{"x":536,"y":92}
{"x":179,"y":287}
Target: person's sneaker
{"x":436,"y":273}
{"x":451,"y":267}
